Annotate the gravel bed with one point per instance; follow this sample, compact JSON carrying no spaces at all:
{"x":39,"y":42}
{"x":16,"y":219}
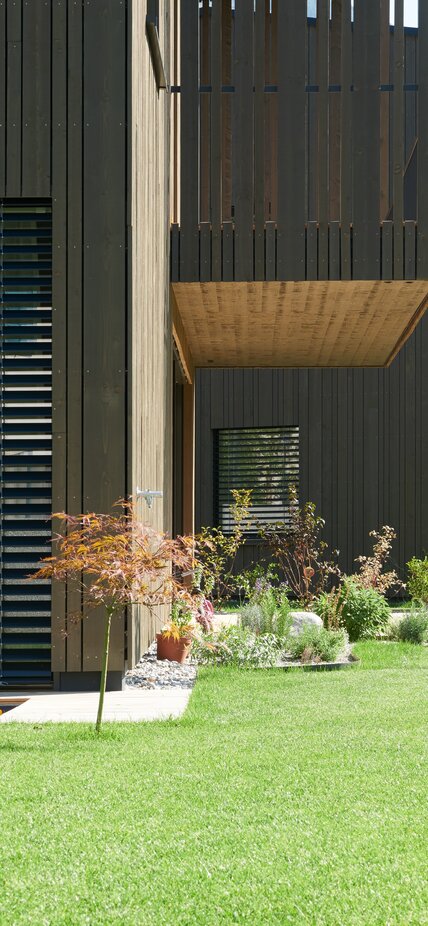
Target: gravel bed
{"x":152,"y":673}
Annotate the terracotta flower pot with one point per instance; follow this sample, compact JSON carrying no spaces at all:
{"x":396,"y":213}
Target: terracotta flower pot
{"x":174,"y":650}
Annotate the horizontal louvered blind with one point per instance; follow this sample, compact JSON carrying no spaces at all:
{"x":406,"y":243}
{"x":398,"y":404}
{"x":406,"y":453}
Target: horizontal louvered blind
{"x":265,"y":460}
{"x":25,"y":438}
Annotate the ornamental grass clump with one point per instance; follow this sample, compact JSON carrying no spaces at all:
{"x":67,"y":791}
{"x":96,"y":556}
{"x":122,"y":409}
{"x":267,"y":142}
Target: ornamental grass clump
{"x":413,"y":628}
{"x":115,"y":561}
{"x":268,"y":611}
{"x":316,"y":644}
{"x":238,"y":646}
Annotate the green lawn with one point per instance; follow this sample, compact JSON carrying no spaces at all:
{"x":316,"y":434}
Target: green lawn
{"x":279,"y":798}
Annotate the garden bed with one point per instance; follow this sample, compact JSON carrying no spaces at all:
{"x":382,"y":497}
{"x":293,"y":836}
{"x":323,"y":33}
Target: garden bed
{"x":345,"y":661}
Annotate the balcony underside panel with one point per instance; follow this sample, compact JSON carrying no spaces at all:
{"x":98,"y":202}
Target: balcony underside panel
{"x":298,"y":324}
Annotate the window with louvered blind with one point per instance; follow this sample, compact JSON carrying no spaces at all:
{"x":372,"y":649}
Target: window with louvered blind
{"x":265,"y":460}
{"x":25,"y":439}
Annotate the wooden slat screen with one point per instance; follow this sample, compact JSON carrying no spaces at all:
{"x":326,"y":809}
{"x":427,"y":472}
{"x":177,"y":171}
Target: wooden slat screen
{"x":293,"y":119}
{"x":25,"y":438}
{"x":265,"y":460}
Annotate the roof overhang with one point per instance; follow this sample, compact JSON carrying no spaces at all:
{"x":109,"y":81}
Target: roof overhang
{"x":295,"y":324}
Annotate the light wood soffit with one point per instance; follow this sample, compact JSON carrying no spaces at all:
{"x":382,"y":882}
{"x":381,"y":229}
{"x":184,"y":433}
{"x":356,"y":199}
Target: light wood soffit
{"x":180,"y":340}
{"x":297,"y":324}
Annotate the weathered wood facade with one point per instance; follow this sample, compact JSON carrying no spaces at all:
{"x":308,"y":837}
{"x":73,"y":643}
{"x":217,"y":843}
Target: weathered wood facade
{"x":83,"y":124}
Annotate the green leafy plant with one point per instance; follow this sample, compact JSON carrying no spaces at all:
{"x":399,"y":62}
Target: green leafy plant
{"x":418,"y":579}
{"x":413,"y":628}
{"x":317,"y":644}
{"x":238,"y":646}
{"x":215,"y":551}
{"x":182,"y":622}
{"x":116,"y":561}
{"x":268,"y":611}
{"x":362,"y":611}
{"x":301,"y":554}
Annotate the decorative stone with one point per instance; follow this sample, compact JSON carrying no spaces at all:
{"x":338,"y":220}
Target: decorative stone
{"x":153,"y":673}
{"x":301,"y":619}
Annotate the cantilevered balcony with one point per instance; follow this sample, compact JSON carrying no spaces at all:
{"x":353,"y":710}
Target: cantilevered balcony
{"x":301,"y":157}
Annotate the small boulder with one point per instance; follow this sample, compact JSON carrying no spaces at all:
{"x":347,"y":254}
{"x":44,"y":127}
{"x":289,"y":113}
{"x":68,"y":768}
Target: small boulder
{"x":301,"y":619}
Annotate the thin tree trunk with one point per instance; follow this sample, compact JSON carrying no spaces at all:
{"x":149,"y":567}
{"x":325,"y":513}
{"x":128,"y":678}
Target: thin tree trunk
{"x":109,"y":613}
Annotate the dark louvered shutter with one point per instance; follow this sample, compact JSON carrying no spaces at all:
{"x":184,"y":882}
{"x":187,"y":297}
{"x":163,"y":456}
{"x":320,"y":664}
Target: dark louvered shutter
{"x":265,"y":460}
{"x":25,"y":439}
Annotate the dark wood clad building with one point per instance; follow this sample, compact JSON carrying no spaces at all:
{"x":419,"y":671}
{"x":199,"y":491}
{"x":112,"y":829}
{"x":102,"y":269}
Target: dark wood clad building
{"x":218,"y":199}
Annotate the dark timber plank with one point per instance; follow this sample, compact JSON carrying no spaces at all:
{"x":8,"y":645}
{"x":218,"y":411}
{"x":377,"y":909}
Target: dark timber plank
{"x":3,"y":48}
{"x":243,"y":139}
{"x":323,"y":25}
{"x":387,"y":250}
{"x":334,"y":251}
{"x":104,"y":281}
{"x":398,"y":139}
{"x":259,"y":140}
{"x":36,"y":99}
{"x":14,"y":98}
{"x":74,"y":295}
{"x":409,"y":250}
{"x":366,"y":163}
{"x":270,"y":251}
{"x":228,"y":261}
{"x":205,"y":252}
{"x":204,"y":114}
{"x":59,"y":309}
{"x":312,"y":251}
{"x":346,"y":141}
{"x":423,"y":143}
{"x":385,"y":41}
{"x":292,"y":39}
{"x":189,"y":186}
{"x":334,"y":109}
{"x":216,"y":135}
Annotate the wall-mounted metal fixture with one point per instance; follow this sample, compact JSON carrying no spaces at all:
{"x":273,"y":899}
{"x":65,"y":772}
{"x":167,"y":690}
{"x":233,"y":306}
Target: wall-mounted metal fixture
{"x":155,"y":52}
{"x":149,"y":495}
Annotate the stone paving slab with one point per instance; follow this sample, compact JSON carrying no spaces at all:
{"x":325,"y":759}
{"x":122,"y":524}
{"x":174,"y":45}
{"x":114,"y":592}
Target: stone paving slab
{"x":81,"y":707}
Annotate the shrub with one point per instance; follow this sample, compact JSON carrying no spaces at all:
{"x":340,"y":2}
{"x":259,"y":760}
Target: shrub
{"x":413,"y":628}
{"x":237,"y":646}
{"x":268,"y":612}
{"x":215,"y":551}
{"x":371,"y":574}
{"x":316,"y":644}
{"x":362,"y":611}
{"x":418,"y":581}
{"x":300,"y":552}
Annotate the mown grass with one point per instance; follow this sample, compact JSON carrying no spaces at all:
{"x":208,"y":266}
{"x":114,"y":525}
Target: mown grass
{"x":278,"y":798}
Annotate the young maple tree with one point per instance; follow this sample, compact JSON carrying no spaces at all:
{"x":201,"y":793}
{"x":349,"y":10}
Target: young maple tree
{"x":117,"y":561}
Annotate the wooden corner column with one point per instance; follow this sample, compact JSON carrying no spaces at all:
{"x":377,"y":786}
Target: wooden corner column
{"x":188,"y":458}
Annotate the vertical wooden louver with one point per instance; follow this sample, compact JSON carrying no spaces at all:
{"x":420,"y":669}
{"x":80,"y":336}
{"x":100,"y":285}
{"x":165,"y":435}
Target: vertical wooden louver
{"x":265,"y":460}
{"x":25,"y":439}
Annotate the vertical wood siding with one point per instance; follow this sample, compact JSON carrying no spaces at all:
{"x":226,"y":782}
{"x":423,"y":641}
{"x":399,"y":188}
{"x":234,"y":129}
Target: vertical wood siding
{"x":363,"y":443}
{"x":150,"y":339}
{"x":65,"y":78}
